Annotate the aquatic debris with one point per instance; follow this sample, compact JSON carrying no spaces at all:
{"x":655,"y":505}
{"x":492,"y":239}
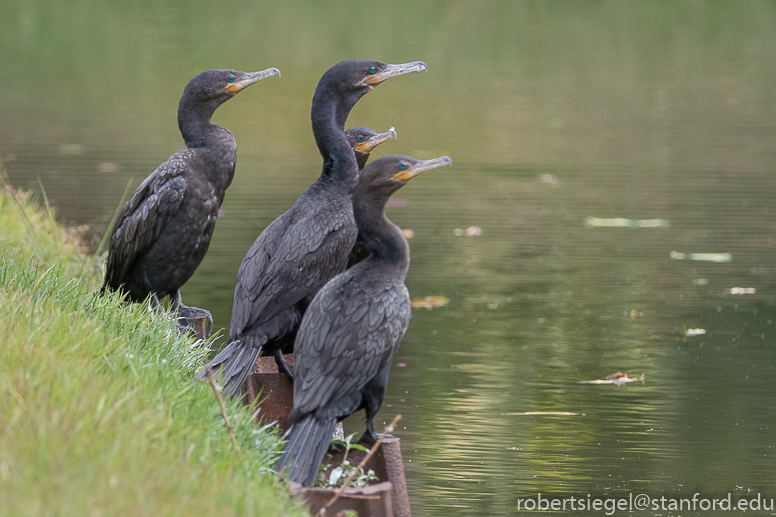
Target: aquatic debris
{"x":429,"y":302}
{"x":71,"y":149}
{"x":618,"y":379}
{"x":621,"y":222}
{"x":694,"y":332}
{"x":700,"y":281}
{"x":108,"y":167}
{"x":543,"y":413}
{"x":408,"y":233}
{"x":742,"y":290}
{"x":401,"y":365}
{"x":397,"y":202}
{"x":471,"y":231}
{"x":221,"y":212}
{"x":707,"y":257}
{"x":548,"y":178}
{"x":635,"y":314}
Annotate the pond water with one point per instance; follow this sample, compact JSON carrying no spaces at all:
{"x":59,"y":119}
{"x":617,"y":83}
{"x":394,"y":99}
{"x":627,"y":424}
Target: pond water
{"x":553,"y":113}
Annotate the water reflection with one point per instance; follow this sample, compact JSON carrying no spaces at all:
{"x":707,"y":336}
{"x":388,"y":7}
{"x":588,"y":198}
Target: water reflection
{"x":553,"y":113}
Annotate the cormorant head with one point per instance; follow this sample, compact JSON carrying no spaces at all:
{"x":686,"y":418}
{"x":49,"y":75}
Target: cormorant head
{"x":356,"y":77}
{"x":388,"y":174}
{"x":221,"y":85}
{"x":364,"y":140}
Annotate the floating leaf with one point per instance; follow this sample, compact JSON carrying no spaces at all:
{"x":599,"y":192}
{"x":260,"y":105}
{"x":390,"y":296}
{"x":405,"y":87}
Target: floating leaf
{"x":621,"y":222}
{"x":429,"y":302}
{"x":706,"y":257}
{"x":108,"y":167}
{"x":471,"y":231}
{"x":618,"y":379}
{"x":71,"y":149}
{"x":543,"y":413}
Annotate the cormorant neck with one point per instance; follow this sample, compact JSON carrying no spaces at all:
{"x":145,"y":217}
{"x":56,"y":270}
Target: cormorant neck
{"x":383,"y":238}
{"x":329,"y":113}
{"x":361,"y":159}
{"x":194,"y":119}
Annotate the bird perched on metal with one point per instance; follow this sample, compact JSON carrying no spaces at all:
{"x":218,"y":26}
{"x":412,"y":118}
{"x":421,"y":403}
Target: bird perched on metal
{"x":164,"y":231}
{"x":353,"y":326}
{"x":309,"y":244}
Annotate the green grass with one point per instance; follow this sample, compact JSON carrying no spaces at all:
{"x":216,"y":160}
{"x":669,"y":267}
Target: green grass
{"x":98,"y":412}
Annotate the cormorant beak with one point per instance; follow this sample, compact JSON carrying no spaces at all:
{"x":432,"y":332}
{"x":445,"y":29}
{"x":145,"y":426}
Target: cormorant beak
{"x":250,"y":79}
{"x":392,"y":71}
{"x":367,"y":146}
{"x":422,"y":166}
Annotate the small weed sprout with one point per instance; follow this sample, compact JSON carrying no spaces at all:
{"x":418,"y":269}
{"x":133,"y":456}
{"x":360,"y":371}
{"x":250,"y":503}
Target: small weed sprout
{"x":339,"y":474}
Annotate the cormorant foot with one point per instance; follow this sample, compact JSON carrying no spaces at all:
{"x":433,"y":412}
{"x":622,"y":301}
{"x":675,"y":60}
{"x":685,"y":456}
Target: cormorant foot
{"x":370,"y":438}
{"x":187,"y":315}
{"x":283,"y":366}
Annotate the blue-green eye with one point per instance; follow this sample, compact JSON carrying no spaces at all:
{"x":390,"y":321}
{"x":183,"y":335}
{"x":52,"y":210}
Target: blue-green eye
{"x":360,"y":138}
{"x":372,"y":70}
{"x":402,"y":166}
{"x":230,"y":79}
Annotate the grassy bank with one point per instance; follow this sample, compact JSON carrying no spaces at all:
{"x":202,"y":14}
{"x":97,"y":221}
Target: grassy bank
{"x":98,"y":412}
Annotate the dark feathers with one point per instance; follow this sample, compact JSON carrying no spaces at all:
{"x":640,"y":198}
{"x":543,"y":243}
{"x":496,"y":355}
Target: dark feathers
{"x":144,"y":217}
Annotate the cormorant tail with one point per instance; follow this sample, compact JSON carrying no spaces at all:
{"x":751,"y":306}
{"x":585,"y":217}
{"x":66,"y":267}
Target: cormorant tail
{"x":233,"y":365}
{"x":306,"y":447}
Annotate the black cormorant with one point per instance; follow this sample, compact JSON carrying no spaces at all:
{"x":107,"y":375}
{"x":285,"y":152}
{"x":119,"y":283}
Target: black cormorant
{"x":164,"y":231}
{"x":309,"y":244}
{"x":364,"y":140}
{"x":353,"y":326}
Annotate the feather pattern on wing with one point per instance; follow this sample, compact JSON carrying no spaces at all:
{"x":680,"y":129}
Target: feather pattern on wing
{"x":290,"y":261}
{"x":141,"y":221}
{"x":351,"y":330}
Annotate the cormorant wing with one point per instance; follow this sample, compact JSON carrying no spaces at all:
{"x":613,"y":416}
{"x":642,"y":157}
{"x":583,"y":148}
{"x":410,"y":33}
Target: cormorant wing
{"x":348,"y":334}
{"x":289,"y":261}
{"x":144,"y":216}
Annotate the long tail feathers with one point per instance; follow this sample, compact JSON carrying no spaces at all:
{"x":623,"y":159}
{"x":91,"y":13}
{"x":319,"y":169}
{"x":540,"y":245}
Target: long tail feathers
{"x":233,"y":365}
{"x":306,"y":447}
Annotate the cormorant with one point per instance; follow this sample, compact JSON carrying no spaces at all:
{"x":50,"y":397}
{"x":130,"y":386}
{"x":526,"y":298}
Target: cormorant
{"x":353,"y":326}
{"x":309,"y":244}
{"x":164,"y":231}
{"x":364,"y":140}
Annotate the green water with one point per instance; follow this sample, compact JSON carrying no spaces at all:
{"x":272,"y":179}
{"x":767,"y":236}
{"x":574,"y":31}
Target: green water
{"x":552,"y":112}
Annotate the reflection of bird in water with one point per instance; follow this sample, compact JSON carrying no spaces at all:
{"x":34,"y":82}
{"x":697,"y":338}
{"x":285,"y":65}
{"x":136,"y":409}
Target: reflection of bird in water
{"x":164,"y":231}
{"x":364,"y":140}
{"x":309,"y":244}
{"x":353,"y":326}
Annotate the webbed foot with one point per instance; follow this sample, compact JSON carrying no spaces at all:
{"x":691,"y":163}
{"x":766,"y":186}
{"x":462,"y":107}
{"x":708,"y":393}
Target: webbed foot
{"x":188,"y":315}
{"x":370,"y":436}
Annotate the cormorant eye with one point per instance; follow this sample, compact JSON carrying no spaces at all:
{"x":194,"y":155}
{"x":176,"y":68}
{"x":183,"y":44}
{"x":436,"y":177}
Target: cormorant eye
{"x":360,"y":138}
{"x":402,"y":166}
{"x":372,"y":70}
{"x":230,"y":79}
